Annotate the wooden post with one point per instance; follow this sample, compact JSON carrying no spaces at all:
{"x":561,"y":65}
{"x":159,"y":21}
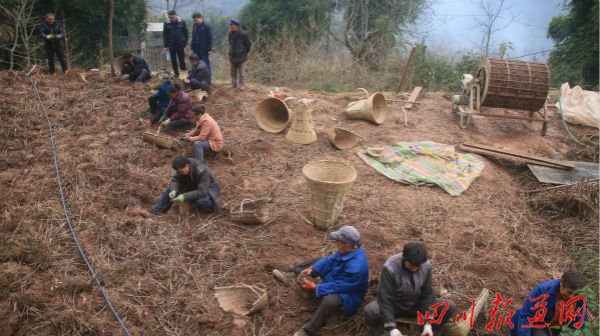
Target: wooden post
{"x":111,"y":12}
{"x":64,"y":24}
{"x":410,"y":57}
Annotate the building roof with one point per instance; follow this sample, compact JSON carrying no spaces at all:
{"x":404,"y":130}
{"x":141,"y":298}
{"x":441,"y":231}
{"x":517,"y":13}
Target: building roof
{"x":155,"y":27}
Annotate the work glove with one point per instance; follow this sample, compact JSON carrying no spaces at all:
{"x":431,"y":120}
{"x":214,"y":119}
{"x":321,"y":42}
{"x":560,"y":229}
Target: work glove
{"x":124,"y":77}
{"x":427,"y":330}
{"x":180,"y":198}
{"x":306,"y":272}
{"x":395,"y":332}
{"x":166,"y":121}
{"x":49,"y":36}
{"x":309,"y":285}
{"x":172,"y":194}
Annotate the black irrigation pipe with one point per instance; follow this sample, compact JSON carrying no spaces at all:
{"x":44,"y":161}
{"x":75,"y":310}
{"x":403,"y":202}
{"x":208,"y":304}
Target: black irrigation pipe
{"x":99,"y":282}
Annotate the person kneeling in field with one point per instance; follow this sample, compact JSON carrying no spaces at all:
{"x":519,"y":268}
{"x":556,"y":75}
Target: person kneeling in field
{"x":179,"y":112}
{"x":206,"y":136}
{"x":557,"y":299}
{"x":344,"y":275}
{"x":135,"y":68}
{"x":405,"y":288}
{"x":198,"y":77}
{"x":194,"y":183}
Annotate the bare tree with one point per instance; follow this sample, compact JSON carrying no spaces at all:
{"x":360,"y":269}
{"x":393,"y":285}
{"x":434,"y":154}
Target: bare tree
{"x":177,"y":4}
{"x":111,"y":13}
{"x":492,"y":11}
{"x":19,"y":15}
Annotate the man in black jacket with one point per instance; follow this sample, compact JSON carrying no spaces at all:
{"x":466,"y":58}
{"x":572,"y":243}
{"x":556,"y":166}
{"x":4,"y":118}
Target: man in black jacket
{"x":198,"y":77}
{"x":194,"y":183}
{"x":135,"y":68}
{"x":239,"y":47}
{"x":52,"y":33}
{"x":175,"y":38}
{"x":405,"y":288}
{"x":202,"y":40}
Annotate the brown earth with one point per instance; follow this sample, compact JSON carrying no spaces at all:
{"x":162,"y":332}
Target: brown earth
{"x":160,"y":271}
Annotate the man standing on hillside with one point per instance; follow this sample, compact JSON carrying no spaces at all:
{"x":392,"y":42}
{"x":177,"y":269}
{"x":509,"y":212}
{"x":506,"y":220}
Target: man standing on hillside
{"x":239,"y":47}
{"x":405,"y":288}
{"x":202,"y":41}
{"x":175,"y":38}
{"x":52,"y":33}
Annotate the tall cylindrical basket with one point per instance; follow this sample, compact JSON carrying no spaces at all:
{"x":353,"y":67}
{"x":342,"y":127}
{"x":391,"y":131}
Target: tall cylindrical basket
{"x":328,"y":181}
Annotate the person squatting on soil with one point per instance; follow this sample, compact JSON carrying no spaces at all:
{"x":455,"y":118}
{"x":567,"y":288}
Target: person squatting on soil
{"x":194,"y":183}
{"x":206,"y":136}
{"x":52,"y":34}
{"x":159,"y":101}
{"x":175,"y":38}
{"x":239,"y":47}
{"x":198,"y":77}
{"x":557,"y":292}
{"x":202,"y":41}
{"x":178,"y":115}
{"x":344,"y":275}
{"x":405,"y":287}
{"x":135,"y":68}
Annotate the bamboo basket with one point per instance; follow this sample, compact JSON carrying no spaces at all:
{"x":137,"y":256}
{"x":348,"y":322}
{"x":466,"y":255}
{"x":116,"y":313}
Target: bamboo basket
{"x":161,"y":140}
{"x":463,"y":327}
{"x":328,"y":182}
{"x":342,"y":138}
{"x":198,"y":96}
{"x":302,"y":131}
{"x":242,"y":299}
{"x":250,"y":212}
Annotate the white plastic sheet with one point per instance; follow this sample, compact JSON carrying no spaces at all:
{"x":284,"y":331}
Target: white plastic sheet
{"x":579,"y":106}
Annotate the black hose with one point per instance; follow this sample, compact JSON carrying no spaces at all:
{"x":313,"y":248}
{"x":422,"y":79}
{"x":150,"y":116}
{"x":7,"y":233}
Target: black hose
{"x":98,"y":281}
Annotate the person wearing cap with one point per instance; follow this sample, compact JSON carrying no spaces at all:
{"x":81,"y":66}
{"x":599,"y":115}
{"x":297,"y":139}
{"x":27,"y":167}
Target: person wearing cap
{"x":194,"y":183}
{"x":206,"y":136}
{"x":560,"y":299}
{"x":405,"y":288}
{"x":175,"y":38}
{"x":344,"y":275}
{"x":52,"y":33}
{"x":239,"y":47}
{"x":201,"y":43}
{"x":135,"y":68}
{"x":159,"y":101}
{"x":198,"y":77}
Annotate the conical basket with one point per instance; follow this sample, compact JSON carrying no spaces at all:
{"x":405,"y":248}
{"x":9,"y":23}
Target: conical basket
{"x":372,"y":109}
{"x":273,"y":115}
{"x":328,"y":182}
{"x":302,"y":131}
{"x":241,"y":299}
{"x":342,"y":138}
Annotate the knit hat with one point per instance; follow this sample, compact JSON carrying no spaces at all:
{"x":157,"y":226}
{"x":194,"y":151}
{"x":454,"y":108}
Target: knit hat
{"x":235,"y":22}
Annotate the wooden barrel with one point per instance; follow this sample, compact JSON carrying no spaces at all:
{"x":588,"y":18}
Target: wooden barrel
{"x":514,"y":84}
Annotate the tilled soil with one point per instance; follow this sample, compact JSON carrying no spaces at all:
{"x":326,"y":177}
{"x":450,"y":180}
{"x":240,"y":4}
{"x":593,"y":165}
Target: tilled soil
{"x":160,"y":271}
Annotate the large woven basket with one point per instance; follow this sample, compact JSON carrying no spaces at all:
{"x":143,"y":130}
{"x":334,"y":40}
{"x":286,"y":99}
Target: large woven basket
{"x":342,"y":138}
{"x":463,"y":327}
{"x":328,"y":181}
{"x":302,"y":131}
{"x":273,"y":115}
{"x":161,"y":140}
{"x":241,"y":299}
{"x":250,"y":211}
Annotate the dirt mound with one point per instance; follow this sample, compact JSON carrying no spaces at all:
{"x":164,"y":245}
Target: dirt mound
{"x":160,"y":271}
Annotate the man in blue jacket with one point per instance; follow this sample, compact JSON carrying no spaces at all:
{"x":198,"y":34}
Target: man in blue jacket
{"x":159,"y":101}
{"x":52,"y":34}
{"x":202,"y":40}
{"x":175,"y":38}
{"x":344,"y":275}
{"x":555,"y":294}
